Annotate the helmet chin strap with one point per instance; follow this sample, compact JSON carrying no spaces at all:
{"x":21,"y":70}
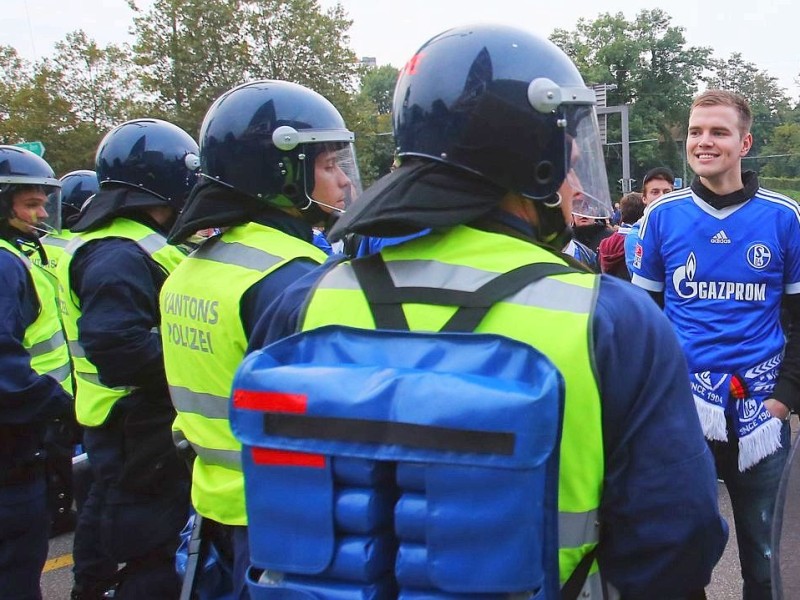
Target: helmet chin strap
{"x":553,"y":229}
{"x":312,"y":201}
{"x":313,"y":213}
{"x":42,"y":227}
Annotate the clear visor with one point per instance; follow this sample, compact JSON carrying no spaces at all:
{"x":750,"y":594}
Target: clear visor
{"x":52,"y":222}
{"x":587,"y":170}
{"x":332,"y":182}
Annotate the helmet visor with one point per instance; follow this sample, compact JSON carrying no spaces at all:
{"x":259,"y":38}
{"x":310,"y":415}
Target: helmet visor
{"x":586,"y":165}
{"x":51,"y":223}
{"x":332,"y":181}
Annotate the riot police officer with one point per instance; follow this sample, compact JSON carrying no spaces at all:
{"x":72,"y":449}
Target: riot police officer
{"x":276,"y":159}
{"x":35,"y":378}
{"x":489,"y":121}
{"x":76,"y":188}
{"x":109,"y":279}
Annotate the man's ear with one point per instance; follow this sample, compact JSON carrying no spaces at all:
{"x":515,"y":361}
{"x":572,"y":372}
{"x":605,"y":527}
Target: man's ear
{"x":747,"y":143}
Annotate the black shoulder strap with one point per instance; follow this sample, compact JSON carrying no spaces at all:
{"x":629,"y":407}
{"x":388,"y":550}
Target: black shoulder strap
{"x":573,"y":586}
{"x":386,"y":299}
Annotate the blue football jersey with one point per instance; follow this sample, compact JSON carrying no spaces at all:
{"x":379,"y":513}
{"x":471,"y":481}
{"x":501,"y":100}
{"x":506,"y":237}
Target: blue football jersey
{"x":723,"y":273}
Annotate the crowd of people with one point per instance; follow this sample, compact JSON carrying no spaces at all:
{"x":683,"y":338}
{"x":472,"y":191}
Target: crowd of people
{"x":422,"y":389}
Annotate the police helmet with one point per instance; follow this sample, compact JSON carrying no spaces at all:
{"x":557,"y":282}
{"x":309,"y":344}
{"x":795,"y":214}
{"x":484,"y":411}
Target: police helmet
{"x":504,"y":104}
{"x":149,"y":155}
{"x":76,"y":188}
{"x":262,"y":139}
{"x":20,"y":168}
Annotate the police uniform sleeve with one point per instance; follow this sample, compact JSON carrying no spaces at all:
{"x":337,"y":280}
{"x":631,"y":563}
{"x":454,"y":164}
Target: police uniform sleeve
{"x":118,"y":285}
{"x":263,"y":293}
{"x":282,"y":316}
{"x":661,"y":530}
{"x":648,"y":265}
{"x":25,"y":396}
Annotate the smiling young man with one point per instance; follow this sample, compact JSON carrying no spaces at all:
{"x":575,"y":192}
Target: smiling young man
{"x":722,"y":257}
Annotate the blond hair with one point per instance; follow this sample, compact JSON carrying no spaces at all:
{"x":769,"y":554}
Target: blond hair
{"x":726,"y":98}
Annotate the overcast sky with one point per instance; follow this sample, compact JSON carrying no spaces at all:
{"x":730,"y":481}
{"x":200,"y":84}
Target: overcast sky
{"x":765,"y":32}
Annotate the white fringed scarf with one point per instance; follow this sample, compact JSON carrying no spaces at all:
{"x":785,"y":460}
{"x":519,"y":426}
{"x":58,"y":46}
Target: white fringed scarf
{"x":759,"y":433}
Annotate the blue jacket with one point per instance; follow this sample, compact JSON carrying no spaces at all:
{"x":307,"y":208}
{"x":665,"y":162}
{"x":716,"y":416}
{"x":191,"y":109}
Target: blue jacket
{"x":27,"y":400}
{"x":647,"y":542}
{"x":117,"y":285}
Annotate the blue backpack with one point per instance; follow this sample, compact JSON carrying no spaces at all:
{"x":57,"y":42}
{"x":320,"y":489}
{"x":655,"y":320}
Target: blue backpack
{"x":395,"y":464}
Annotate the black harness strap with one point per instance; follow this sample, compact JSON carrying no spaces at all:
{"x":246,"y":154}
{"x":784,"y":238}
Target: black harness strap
{"x":386,"y":300}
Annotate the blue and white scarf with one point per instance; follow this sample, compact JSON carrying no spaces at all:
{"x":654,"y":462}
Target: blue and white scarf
{"x":758,"y":431}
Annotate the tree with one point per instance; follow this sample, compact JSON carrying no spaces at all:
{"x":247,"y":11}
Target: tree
{"x":654,"y":72}
{"x":781,"y":157}
{"x":768,"y":101}
{"x":369,"y":115}
{"x":295,"y":41}
{"x":378,"y":85}
{"x":194,"y":50}
{"x":38,"y":113}
{"x":190,"y":52}
{"x":99,"y":83}
{"x":31,"y":109}
{"x":15,"y":75}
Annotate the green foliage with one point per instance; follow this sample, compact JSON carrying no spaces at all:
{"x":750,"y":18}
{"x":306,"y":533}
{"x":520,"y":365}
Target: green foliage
{"x":191,"y":51}
{"x":780,"y":157}
{"x":768,"y":101}
{"x":69,"y":101}
{"x":378,"y":85}
{"x":188,"y":52}
{"x":99,"y":83}
{"x":654,"y":72}
{"x":371,"y":120}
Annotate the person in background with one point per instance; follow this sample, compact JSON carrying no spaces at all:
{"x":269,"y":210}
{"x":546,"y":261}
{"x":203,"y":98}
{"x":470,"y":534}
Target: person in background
{"x":616,"y":215}
{"x":612,"y":249}
{"x":35,"y":375}
{"x":722,"y":257}
{"x":590,"y":230}
{"x":265,"y":190}
{"x":482,"y":96}
{"x":656,"y":183}
{"x":109,"y":278}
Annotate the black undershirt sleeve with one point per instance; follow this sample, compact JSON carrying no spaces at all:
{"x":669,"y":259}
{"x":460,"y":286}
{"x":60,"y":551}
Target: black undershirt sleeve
{"x":787,"y":389}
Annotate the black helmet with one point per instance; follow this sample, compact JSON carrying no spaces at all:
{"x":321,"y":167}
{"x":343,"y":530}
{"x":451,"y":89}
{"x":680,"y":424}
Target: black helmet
{"x":19,"y":168}
{"x":149,"y":155}
{"x":76,"y":188}
{"x":261,"y":139}
{"x":501,"y":103}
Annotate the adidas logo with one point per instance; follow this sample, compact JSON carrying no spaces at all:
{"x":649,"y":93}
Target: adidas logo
{"x":720,"y":238}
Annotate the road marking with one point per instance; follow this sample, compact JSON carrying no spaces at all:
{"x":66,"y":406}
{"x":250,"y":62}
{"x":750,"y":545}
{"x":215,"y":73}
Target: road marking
{"x":59,"y":562}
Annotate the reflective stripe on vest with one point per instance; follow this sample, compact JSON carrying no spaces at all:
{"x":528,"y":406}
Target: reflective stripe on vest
{"x":55,"y":340}
{"x":462,"y":259}
{"x":44,"y":338}
{"x":95,"y":400}
{"x":204,"y":342}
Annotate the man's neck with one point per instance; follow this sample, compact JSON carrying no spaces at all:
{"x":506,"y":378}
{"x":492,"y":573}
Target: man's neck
{"x":724,"y":184}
